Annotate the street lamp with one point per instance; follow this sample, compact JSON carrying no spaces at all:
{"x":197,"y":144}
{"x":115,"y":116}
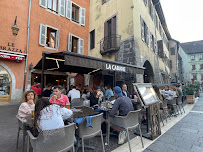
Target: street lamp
{"x":15,"y":28}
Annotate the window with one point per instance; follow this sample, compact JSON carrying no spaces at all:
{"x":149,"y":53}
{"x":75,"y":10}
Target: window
{"x":92,"y":39}
{"x":145,"y":34}
{"x":49,"y":36}
{"x":75,"y":13}
{"x":145,"y":2}
{"x":195,"y":76}
{"x":201,"y":66}
{"x":156,"y":21}
{"x":57,"y":6}
{"x":201,"y":76}
{"x":201,"y":56}
{"x":192,"y":57}
{"x":172,"y":51}
{"x":193,"y":67}
{"x":151,"y":9}
{"x":104,"y":1}
{"x":75,"y":44}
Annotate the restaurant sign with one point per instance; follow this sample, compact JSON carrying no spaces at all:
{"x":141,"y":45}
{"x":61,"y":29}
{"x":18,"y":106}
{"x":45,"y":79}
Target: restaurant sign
{"x":11,"y":48}
{"x":115,"y":67}
{"x":11,"y":56}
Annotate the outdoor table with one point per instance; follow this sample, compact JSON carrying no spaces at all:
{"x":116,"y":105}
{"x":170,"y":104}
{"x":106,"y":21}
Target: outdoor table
{"x":85,"y":111}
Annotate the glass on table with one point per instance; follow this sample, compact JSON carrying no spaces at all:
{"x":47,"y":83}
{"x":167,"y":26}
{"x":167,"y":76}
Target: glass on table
{"x":32,"y":113}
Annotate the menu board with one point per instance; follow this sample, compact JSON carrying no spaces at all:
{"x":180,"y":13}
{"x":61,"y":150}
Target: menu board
{"x":146,"y":93}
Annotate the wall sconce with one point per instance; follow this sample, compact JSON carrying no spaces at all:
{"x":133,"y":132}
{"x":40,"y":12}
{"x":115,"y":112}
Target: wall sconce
{"x":15,"y":28}
{"x":165,"y":58}
{"x":30,"y":66}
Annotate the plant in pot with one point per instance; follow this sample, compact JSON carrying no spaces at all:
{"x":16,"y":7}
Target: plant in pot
{"x":190,"y":91}
{"x":197,"y":88}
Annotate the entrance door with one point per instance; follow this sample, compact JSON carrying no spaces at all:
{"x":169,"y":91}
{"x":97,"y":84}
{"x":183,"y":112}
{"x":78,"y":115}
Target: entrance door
{"x":5,"y":86}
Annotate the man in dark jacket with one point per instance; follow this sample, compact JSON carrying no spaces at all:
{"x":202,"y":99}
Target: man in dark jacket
{"x":125,"y":91}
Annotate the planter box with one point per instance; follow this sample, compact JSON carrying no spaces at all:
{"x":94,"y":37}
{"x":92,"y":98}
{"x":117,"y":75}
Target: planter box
{"x":190,"y":99}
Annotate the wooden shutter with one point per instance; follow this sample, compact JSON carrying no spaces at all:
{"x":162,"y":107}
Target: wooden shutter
{"x":43,"y":3}
{"x":82,"y":16}
{"x":148,"y":37}
{"x":80,"y":46}
{"x":151,"y":41}
{"x":69,"y":42}
{"x":57,"y":39}
{"x":69,"y":9}
{"x":113,"y":32}
{"x":42,"y":35}
{"x":61,"y":7}
{"x":142,"y":29}
{"x":155,"y":45}
{"x":160,"y":48}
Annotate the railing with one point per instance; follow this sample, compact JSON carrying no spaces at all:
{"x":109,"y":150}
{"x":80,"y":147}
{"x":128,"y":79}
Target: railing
{"x":110,"y":44}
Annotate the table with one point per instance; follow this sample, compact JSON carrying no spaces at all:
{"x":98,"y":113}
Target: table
{"x":85,"y":111}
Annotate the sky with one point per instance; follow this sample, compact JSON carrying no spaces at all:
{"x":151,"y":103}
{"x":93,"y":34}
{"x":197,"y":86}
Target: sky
{"x":184,"y":19}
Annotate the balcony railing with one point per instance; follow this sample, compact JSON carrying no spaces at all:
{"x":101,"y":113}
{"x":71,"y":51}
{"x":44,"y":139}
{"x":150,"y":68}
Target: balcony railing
{"x":110,"y":44}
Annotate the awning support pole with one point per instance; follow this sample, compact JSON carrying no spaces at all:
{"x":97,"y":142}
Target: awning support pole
{"x":42,"y":74}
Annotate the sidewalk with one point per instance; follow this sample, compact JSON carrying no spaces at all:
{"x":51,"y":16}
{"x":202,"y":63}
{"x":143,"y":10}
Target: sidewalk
{"x":185,"y":136}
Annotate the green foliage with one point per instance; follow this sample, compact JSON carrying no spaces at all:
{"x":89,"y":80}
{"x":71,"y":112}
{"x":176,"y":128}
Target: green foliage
{"x":197,"y":86}
{"x":190,"y":89}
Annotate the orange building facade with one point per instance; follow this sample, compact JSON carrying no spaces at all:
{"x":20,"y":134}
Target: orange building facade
{"x":51,"y":26}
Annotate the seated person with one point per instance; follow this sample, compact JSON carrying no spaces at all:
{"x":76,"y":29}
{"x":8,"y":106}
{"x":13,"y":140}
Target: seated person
{"x":49,"y":116}
{"x":123,"y":105}
{"x":74,"y":93}
{"x":95,"y":97}
{"x":168,"y":94}
{"x":59,"y":98}
{"x":108,"y":92}
{"x":48,"y":91}
{"x":28,"y":104}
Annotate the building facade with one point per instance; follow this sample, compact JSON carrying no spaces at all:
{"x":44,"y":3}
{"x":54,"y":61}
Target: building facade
{"x":44,"y":25}
{"x":131,"y":32}
{"x":194,"y":51}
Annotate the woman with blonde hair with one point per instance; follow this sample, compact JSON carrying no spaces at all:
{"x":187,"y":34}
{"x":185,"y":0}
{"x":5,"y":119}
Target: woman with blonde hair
{"x":28,"y":104}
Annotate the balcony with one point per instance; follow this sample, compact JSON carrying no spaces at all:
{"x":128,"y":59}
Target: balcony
{"x":110,"y":44}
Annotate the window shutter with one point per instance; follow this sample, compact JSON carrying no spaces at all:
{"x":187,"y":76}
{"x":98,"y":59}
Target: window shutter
{"x":155,"y":45}
{"x":57,"y":39}
{"x":69,"y":9}
{"x":82,"y":16}
{"x":148,"y":37}
{"x":42,"y":35}
{"x":81,"y":46}
{"x":142,"y":29}
{"x":151,"y":42}
{"x":43,"y":3}
{"x":69,"y":42}
{"x":61,"y":7}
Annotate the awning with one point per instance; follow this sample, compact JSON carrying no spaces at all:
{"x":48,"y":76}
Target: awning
{"x":72,"y":62}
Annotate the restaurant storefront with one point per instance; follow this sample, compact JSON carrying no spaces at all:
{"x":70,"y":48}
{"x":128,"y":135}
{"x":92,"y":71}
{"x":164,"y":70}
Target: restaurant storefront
{"x":96,"y":71}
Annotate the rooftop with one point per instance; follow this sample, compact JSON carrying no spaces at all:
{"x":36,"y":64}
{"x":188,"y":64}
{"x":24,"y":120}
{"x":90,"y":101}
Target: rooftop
{"x":193,"y":47}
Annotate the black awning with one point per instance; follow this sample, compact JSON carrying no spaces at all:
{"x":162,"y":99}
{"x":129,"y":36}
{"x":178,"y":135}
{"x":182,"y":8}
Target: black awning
{"x":77,"y":63}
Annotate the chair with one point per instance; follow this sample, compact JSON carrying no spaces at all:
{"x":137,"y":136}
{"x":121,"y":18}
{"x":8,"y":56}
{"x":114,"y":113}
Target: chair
{"x":129,"y":122}
{"x":60,"y":139}
{"x":173,"y":104}
{"x":165,"y":109}
{"x":180,"y":103}
{"x":77,"y":102}
{"x":88,"y":132}
{"x":21,"y":126}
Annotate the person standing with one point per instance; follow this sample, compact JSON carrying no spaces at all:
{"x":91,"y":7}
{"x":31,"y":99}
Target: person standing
{"x":59,"y":98}
{"x":74,"y":93}
{"x":125,"y":91}
{"x":36,"y":88}
{"x":48,"y":91}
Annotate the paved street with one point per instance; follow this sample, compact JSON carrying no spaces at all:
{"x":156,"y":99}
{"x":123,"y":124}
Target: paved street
{"x":185,"y":136}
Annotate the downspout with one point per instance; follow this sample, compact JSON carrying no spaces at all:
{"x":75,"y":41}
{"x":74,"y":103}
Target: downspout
{"x":28,"y":36}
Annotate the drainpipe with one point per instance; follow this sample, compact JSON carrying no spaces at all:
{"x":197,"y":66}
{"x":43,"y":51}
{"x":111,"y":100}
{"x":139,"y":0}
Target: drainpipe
{"x":28,"y":36}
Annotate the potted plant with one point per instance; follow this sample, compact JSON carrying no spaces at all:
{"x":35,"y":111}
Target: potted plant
{"x":197,"y":88}
{"x":190,"y":91}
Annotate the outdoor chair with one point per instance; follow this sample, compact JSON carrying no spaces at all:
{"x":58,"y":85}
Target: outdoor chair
{"x":129,"y":122}
{"x":88,"y":132}
{"x":77,"y":102}
{"x":173,"y":104}
{"x":164,"y":107}
{"x":161,"y":111}
{"x":54,"y":140}
{"x":21,"y":126}
{"x":180,"y":104}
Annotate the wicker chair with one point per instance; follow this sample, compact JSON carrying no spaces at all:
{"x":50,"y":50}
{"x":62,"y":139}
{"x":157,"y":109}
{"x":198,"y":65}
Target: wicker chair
{"x":77,"y":102}
{"x":88,"y":132}
{"x":21,"y":126}
{"x":129,"y":122}
{"x":180,"y":104}
{"x":60,"y":139}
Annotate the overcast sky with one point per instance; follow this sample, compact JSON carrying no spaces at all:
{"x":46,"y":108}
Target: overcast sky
{"x":184,"y":19}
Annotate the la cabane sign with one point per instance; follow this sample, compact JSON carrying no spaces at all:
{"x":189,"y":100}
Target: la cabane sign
{"x":12,"y":56}
{"x":115,"y":67}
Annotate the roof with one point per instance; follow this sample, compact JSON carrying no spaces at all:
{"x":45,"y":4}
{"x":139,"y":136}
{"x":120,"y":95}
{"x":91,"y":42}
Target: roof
{"x":193,"y":47}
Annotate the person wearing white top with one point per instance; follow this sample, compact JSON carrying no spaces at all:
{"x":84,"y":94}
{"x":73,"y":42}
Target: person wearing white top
{"x":168,"y":94}
{"x":74,"y":93}
{"x":49,"y":116}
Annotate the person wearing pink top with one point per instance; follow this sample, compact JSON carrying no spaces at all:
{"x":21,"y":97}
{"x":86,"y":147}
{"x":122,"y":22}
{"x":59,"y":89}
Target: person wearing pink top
{"x":59,"y":98}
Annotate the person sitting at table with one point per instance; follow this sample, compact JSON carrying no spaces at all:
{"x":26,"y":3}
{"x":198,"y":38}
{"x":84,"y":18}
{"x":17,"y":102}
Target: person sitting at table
{"x":123,"y":105}
{"x":28,"y":103}
{"x":49,"y":116}
{"x":74,"y":93}
{"x":167,"y":93}
{"x":108,"y":92}
{"x":59,"y":98}
{"x":94,"y":98}
{"x":48,"y":91}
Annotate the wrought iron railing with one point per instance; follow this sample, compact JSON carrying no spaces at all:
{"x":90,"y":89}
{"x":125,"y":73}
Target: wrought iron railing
{"x":110,"y":44}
